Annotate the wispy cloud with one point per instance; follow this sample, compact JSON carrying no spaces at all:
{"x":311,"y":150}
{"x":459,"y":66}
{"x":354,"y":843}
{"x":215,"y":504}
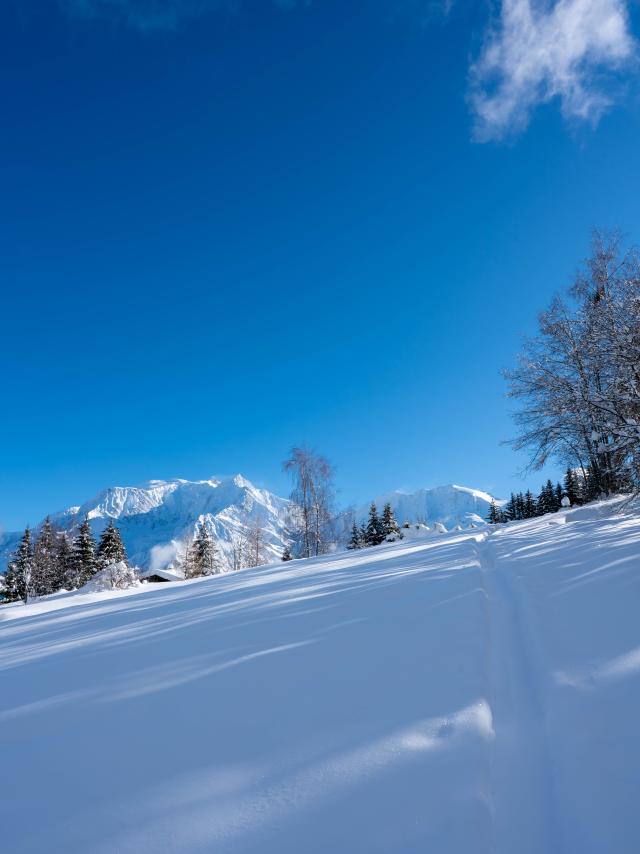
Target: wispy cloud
{"x":537,"y":51}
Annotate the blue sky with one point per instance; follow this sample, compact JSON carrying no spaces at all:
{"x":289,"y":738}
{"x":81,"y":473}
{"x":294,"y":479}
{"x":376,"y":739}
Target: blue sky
{"x":227,"y":228}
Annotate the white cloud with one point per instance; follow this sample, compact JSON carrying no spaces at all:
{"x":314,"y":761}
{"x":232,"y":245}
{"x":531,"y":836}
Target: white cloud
{"x":535,"y":52}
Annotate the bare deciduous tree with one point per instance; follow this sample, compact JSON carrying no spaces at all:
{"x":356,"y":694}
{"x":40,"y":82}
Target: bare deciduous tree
{"x":312,"y":495}
{"x":255,"y":542}
{"x":578,"y":380}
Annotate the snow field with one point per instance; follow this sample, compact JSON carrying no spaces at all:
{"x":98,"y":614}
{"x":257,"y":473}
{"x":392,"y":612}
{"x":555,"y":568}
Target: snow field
{"x":473,"y":692}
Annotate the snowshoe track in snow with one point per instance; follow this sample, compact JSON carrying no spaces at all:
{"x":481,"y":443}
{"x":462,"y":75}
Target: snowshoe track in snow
{"x":522,"y":772}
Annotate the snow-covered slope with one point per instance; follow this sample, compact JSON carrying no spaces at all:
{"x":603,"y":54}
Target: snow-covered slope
{"x":473,"y":692}
{"x":450,"y":505}
{"x":157,"y":518}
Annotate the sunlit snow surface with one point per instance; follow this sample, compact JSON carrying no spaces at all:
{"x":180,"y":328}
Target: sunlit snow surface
{"x":466,"y":692}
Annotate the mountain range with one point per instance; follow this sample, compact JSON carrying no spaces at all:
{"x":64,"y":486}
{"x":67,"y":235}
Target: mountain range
{"x":157,"y":518}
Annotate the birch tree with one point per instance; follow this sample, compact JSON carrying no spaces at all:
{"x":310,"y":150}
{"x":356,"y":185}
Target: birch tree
{"x":312,"y":495}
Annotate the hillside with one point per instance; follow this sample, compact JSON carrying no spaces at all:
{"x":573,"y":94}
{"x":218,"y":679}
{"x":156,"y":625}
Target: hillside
{"x":474,"y":692}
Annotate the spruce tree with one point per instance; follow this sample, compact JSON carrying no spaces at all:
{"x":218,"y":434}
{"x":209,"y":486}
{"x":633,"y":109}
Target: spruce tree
{"x":375,"y":533}
{"x":551,"y":496}
{"x":558,"y":496}
{"x":111,"y":548}
{"x":545,"y":499}
{"x":45,"y":575}
{"x":84,"y":555}
{"x":204,"y":555}
{"x":17,"y":579}
{"x":355,"y":541}
{"x":572,"y":487}
{"x":529,"y":505}
{"x":494,"y":514}
{"x":520,"y":506}
{"x":286,"y":554}
{"x":510,"y":509}
{"x":390,"y":526}
{"x":64,"y":562}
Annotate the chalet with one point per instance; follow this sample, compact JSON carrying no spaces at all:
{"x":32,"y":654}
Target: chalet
{"x":158,"y":576}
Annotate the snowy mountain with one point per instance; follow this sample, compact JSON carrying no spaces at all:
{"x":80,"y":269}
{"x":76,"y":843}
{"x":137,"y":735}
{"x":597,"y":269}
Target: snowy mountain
{"x":450,"y":505}
{"x":156,"y":519}
{"x":473,"y":692}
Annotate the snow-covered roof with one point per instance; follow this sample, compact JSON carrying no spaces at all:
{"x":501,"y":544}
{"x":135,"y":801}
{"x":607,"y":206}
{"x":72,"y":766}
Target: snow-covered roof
{"x":161,"y":573}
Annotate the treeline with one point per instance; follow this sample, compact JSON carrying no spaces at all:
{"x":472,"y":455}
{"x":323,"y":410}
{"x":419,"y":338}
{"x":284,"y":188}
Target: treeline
{"x":578,"y":488}
{"x":578,"y":380}
{"x":376,"y":530}
{"x":54,"y":561}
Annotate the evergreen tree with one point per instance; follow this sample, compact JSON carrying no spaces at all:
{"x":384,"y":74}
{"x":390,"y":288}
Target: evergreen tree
{"x":64,"y":562}
{"x":355,"y":541}
{"x":375,"y":533}
{"x":520,"y":506}
{"x":111,"y":548}
{"x":390,"y":526}
{"x":551,"y":496}
{"x":543,"y":501}
{"x":203,"y":555}
{"x":45,"y":576}
{"x":494,"y":514}
{"x":529,"y":505}
{"x":18,"y":576}
{"x":510,"y":509}
{"x":559,"y":495}
{"x":286,"y":554}
{"x":85,"y":565}
{"x":572,"y":487}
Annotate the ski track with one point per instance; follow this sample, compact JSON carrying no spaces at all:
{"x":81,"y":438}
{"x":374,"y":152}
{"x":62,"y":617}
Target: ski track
{"x":522,"y":778}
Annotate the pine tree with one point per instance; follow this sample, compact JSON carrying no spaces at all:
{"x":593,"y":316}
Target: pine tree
{"x":559,"y":496}
{"x":529,"y":505}
{"x":203,"y":555}
{"x":375,"y":533}
{"x":520,"y":506}
{"x":64,"y":562}
{"x":355,"y":541}
{"x":84,"y":555}
{"x":543,"y":501}
{"x":111,"y":548}
{"x":572,"y":487}
{"x":510,"y":510}
{"x":18,"y":576}
{"x":390,"y":526}
{"x":494,"y":514}
{"x":45,"y":576}
{"x":286,"y":554}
